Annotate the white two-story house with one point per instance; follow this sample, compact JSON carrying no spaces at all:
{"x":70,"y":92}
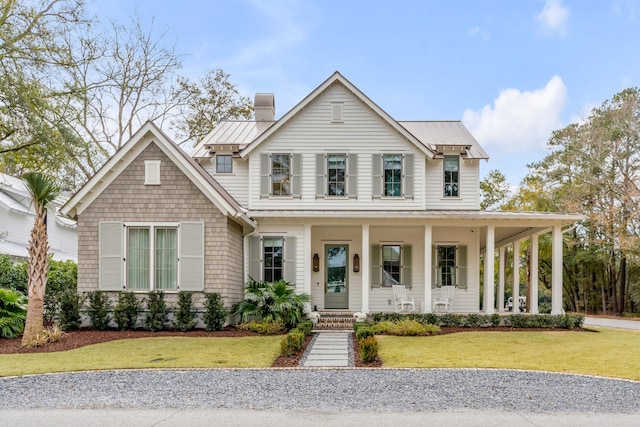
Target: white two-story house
{"x":336,"y":197}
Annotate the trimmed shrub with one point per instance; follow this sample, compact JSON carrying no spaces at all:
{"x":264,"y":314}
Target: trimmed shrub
{"x":70,"y":305}
{"x":384,"y":327}
{"x":358,"y":325}
{"x":364,"y":332}
{"x":368,"y":349}
{"x":63,"y":276}
{"x":305,"y":327}
{"x":292,"y":343}
{"x":215,"y":313}
{"x":263,"y":328}
{"x":126,"y":311}
{"x":13,"y":313}
{"x":185,"y":315}
{"x":99,"y":306}
{"x":156,"y":312}
{"x":405,"y":327}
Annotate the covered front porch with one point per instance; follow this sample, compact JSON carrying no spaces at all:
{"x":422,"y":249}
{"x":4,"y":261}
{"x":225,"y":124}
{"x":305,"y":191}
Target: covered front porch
{"x":349,"y":262}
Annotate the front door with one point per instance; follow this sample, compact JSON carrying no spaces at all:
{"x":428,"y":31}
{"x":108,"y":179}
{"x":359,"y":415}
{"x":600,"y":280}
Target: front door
{"x":336,"y":289}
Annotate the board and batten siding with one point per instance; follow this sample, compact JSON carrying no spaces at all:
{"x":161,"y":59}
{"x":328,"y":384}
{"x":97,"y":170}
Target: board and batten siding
{"x":469,"y":186}
{"x":311,"y":132}
{"x":236,"y":183}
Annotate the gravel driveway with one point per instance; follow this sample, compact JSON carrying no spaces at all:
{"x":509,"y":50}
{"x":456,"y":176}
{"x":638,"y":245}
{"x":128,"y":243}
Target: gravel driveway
{"x":384,"y":390}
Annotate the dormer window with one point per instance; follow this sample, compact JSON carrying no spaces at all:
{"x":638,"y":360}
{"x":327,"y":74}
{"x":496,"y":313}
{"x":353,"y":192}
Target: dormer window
{"x":224,"y":163}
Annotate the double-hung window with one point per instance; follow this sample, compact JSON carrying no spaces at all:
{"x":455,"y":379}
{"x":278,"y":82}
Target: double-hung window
{"x":390,"y":265}
{"x":152,"y":258}
{"x":224,"y":163}
{"x":280,"y":175}
{"x":392,"y":164}
{"x":449,"y":266}
{"x":336,"y":175}
{"x":393,"y":175}
{"x":272,"y":258}
{"x":451,"y":176}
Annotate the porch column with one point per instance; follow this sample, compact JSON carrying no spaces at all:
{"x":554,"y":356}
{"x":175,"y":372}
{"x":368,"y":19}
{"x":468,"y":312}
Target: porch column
{"x":533,"y":304}
{"x":516,"y":277}
{"x":365,"y":268}
{"x":307,"y":259}
{"x":427,"y":268}
{"x":501,"y":279}
{"x":489,"y":272}
{"x":556,"y":271}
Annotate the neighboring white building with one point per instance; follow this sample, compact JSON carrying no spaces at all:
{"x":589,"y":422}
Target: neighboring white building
{"x":336,"y":197}
{"x":17,"y":217}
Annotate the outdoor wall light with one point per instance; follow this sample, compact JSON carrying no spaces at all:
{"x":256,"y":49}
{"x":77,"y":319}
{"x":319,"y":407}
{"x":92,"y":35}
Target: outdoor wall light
{"x":356,"y":263}
{"x":316,"y":263}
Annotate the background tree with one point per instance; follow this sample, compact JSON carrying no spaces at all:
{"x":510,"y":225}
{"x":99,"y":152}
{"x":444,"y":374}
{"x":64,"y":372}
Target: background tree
{"x":494,"y":190}
{"x":42,"y":190}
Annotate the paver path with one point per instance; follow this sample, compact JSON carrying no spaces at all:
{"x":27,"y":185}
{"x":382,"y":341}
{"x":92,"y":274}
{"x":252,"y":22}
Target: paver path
{"x":329,"y":350}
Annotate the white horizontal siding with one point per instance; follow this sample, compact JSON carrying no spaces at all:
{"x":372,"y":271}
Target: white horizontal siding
{"x":469,"y":186}
{"x":236,"y":183}
{"x":311,"y":132}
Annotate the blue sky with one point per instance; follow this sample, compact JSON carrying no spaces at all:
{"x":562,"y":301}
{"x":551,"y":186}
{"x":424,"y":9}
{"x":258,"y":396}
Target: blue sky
{"x":512,"y":71}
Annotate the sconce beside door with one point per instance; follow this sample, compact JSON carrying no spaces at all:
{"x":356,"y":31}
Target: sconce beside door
{"x":316,"y":263}
{"x":356,"y":263}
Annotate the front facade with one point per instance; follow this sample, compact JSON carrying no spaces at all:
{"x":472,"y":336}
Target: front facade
{"x":336,"y":197}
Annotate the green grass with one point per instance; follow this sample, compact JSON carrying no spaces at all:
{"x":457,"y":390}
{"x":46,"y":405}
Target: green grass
{"x":169,"y":352}
{"x":607,"y":352}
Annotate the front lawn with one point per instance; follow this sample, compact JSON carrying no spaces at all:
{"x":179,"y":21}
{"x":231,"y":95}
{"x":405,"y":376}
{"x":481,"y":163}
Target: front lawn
{"x":606,"y":352}
{"x":162,"y":352}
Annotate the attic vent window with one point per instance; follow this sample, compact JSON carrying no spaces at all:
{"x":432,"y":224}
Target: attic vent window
{"x":336,"y":112}
{"x":152,"y":172}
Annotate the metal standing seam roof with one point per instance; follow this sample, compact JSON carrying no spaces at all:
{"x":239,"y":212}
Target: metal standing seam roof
{"x":429,"y":133}
{"x":445,"y":133}
{"x":231,"y":132}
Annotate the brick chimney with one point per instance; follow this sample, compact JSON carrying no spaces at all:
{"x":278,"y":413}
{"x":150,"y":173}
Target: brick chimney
{"x":264,"y":107}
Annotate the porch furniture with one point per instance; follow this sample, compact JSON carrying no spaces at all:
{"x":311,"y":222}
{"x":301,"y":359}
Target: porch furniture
{"x":402,"y":299}
{"x":444,"y":301}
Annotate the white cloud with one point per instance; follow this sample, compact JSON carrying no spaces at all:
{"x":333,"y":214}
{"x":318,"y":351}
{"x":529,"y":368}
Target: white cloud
{"x":478,"y":32}
{"x":585,"y":111}
{"x":554,"y":18}
{"x":519,"y":121}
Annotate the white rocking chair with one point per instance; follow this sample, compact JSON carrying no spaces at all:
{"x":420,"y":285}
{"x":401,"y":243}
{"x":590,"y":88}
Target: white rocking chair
{"x":402,"y":299}
{"x":444,"y":302}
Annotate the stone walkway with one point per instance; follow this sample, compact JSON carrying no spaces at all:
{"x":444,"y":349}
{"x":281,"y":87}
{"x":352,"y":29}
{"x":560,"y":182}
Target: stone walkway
{"x":329,"y":350}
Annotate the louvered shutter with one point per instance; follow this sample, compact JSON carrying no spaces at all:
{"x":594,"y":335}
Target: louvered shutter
{"x":296,"y":179}
{"x":111,"y":254}
{"x":406,"y":266}
{"x":377,"y":176}
{"x":290,"y":259}
{"x":191,"y":256}
{"x":265,"y":175}
{"x":255,"y":258}
{"x":435,"y":272}
{"x":352,"y":171}
{"x":409,"y":165}
{"x":376,"y":273}
{"x":321,"y":175}
{"x":461,"y":266}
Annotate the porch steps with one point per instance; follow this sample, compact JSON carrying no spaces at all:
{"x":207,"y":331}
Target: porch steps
{"x":335,"y":321}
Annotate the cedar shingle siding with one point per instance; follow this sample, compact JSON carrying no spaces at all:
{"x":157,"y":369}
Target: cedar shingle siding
{"x":176,"y":199}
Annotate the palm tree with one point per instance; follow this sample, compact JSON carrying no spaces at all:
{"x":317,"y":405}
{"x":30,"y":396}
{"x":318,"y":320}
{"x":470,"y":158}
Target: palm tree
{"x":43,"y":190}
